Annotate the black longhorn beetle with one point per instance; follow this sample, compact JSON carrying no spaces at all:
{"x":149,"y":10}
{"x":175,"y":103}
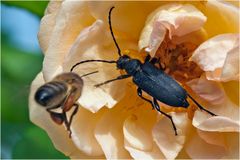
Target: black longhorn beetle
{"x":149,"y":79}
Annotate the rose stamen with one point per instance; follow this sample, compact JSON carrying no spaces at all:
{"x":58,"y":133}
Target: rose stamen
{"x":175,"y":59}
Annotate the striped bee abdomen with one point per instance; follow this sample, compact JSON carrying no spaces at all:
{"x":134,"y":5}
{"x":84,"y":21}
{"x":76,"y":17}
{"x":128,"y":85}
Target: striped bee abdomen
{"x":51,"y":94}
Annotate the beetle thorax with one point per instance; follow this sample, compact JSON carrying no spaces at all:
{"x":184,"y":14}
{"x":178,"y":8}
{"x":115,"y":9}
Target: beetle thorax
{"x":128,"y":64}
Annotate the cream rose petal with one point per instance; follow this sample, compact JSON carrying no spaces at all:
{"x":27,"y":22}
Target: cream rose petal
{"x":66,"y":29}
{"x":109,"y":131}
{"x":228,"y":119}
{"x":222,"y":17}
{"x":215,"y":54}
{"x":57,"y":133}
{"x":178,"y":19}
{"x":137,"y":133}
{"x":82,"y":128}
{"x":109,"y":135}
{"x":205,"y":122}
{"x":211,"y":91}
{"x":231,"y":65}
{"x":87,"y":47}
{"x":232,"y":142}
{"x":154,"y":153}
{"x":231,"y":89}
{"x":230,"y":69}
{"x":164,"y":135}
{"x":197,"y":148}
{"x":128,"y":18}
{"x":215,"y":138}
{"x":137,"y":128}
{"x":47,"y":24}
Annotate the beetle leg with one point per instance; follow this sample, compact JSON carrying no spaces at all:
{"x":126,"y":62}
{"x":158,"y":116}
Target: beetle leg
{"x":168,"y":116}
{"x":154,"y":60}
{"x":201,"y":107}
{"x":147,"y":59}
{"x":156,"y":106}
{"x":71,"y":117}
{"x":139,"y":92}
{"x":115,"y":79}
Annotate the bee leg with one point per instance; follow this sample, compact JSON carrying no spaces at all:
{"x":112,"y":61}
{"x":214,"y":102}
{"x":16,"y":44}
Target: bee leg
{"x":59,"y":118}
{"x":156,"y":106}
{"x":56,"y":117}
{"x":139,"y":92}
{"x":168,"y":116}
{"x":71,"y":117}
{"x":66,"y":122}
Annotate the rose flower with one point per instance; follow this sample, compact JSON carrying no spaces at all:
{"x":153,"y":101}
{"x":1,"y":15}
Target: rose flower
{"x":197,"y":44}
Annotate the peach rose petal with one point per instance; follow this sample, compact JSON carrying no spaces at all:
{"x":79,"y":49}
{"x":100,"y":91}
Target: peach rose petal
{"x":126,"y":17}
{"x":87,"y":47}
{"x":137,"y":134}
{"x":211,"y":91}
{"x":232,"y":141}
{"x":231,"y":89}
{"x":154,"y":153}
{"x":206,"y":122}
{"x":83,"y":126}
{"x":197,"y":148}
{"x":157,"y":36}
{"x":183,"y":154}
{"x":227,"y":20}
{"x":215,"y":138}
{"x":181,"y":20}
{"x":66,"y":29}
{"x":230,"y":69}
{"x":178,"y":19}
{"x":52,"y":7}
{"x":211,"y":56}
{"x":227,"y":111}
{"x":164,"y":135}
{"x":108,"y":133}
{"x":137,"y":128}
{"x":109,"y":129}
{"x":47,"y":24}
{"x":57,"y":133}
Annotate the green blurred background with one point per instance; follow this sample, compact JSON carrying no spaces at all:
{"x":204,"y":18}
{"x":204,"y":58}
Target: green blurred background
{"x":21,"y":60}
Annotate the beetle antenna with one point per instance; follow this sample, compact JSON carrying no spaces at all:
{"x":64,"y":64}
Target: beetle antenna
{"x":110,"y":26}
{"x":96,"y":60}
{"x":88,"y":74}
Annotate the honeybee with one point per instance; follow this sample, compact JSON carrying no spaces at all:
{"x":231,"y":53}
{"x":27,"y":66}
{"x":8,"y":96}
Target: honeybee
{"x":62,"y":92}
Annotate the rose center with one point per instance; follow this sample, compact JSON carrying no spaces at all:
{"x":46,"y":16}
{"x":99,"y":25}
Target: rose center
{"x":174,"y":60}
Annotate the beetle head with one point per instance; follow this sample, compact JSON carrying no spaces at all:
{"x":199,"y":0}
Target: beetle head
{"x":122,"y":61}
